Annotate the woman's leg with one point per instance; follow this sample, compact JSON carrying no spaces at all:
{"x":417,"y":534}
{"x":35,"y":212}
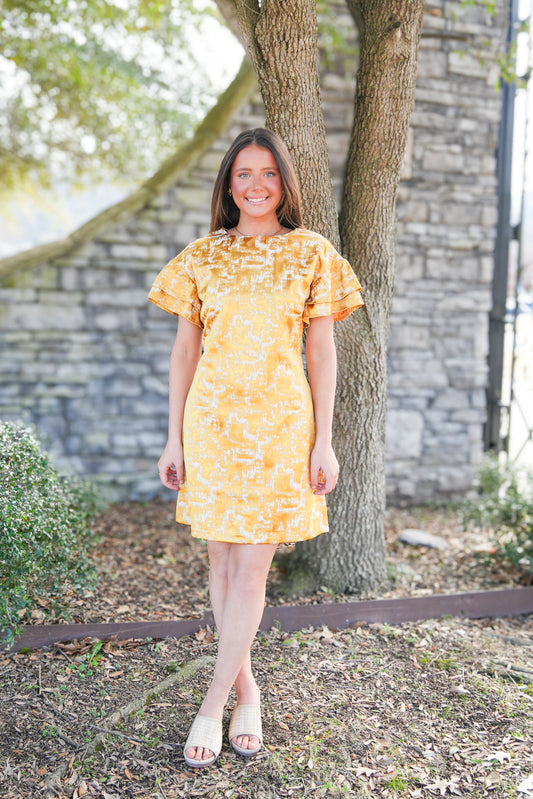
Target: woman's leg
{"x":245,"y":684}
{"x":238,"y":575}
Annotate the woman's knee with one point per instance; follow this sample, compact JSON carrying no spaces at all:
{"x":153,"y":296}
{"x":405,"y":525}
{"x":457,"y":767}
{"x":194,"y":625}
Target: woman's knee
{"x":248,"y":565}
{"x":219,"y":553}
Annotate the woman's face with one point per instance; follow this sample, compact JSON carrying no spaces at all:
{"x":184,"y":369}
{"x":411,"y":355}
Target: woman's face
{"x":256,"y":184}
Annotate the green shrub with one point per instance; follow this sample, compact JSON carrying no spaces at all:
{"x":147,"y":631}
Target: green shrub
{"x":505,"y":504}
{"x":44,"y":527}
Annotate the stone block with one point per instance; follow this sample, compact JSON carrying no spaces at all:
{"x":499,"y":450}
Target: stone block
{"x":137,"y":252}
{"x":124,"y":444}
{"x":468,"y":416}
{"x":197,"y":198}
{"x":39,"y":277}
{"x":156,"y":385}
{"x":436,"y":96}
{"x":451,"y":399}
{"x":468,"y":64}
{"x":31,"y":317}
{"x":96,"y":443}
{"x":466,"y":374}
{"x":70,"y":278}
{"x":413,"y":212}
{"x":408,"y":336}
{"x":128,"y":298}
{"x":443,"y":161}
{"x":120,"y":319}
{"x":15,"y":295}
{"x":120,"y":387}
{"x":410,"y":267}
{"x":55,"y":298}
{"x":432,"y":63}
{"x":404,"y":434}
{"x":489,"y":216}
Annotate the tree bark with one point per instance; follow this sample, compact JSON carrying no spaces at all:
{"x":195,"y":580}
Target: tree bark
{"x":352,"y":557}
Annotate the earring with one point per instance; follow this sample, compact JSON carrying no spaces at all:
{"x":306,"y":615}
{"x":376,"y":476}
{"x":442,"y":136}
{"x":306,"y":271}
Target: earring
{"x":230,"y":192}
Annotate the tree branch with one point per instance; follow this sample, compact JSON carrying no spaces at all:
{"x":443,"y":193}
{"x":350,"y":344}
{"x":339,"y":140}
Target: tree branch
{"x":229,"y":13}
{"x":247,"y":13}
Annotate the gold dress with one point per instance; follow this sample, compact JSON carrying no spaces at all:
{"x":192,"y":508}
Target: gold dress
{"x":248,"y":425}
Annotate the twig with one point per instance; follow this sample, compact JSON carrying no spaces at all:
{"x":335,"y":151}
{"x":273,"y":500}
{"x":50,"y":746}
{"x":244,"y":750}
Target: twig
{"x":52,"y":785}
{"x":144,"y":699}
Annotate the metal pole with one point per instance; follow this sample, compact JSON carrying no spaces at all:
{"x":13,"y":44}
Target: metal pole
{"x":493,"y":438}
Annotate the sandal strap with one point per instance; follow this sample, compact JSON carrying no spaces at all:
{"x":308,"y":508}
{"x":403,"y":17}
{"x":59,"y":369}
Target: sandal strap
{"x":246,"y":720}
{"x":205,"y":733}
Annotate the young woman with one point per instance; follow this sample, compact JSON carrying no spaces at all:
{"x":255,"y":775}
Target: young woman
{"x":249,"y":439}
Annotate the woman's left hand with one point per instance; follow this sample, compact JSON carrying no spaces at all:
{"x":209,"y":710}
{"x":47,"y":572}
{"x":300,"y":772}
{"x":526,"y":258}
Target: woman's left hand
{"x":323,"y":469}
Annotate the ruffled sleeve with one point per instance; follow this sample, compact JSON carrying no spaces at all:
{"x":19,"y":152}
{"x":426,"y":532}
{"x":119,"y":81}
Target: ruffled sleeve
{"x":175,"y":290}
{"x":335,"y":290}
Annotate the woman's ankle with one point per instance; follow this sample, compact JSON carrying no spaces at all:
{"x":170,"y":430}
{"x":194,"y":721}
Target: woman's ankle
{"x":248,"y":692}
{"x":213,"y":705}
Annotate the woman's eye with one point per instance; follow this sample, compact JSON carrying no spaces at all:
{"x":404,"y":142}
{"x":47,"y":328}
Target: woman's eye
{"x":270,"y":174}
{"x":242,"y":175}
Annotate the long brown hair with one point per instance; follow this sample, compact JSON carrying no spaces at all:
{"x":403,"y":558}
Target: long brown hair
{"x":224,"y":212}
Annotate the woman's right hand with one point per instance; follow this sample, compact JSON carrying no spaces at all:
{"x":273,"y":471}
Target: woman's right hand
{"x":171,"y":466}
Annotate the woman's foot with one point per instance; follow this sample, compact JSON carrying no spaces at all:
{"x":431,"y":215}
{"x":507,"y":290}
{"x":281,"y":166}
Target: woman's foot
{"x":204,"y":742}
{"x":248,"y":695}
{"x":245,"y":733}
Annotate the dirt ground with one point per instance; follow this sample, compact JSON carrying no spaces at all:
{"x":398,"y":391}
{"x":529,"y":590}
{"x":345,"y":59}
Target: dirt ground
{"x":437,"y":708}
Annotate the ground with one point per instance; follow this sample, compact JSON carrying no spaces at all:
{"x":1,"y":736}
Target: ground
{"x":435,"y":708}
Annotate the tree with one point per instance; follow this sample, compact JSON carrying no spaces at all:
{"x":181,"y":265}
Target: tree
{"x":281,"y":40}
{"x":84,"y":82}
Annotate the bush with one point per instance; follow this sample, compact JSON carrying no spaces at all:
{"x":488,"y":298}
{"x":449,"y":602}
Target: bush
{"x":44,"y":532}
{"x":505,"y":504}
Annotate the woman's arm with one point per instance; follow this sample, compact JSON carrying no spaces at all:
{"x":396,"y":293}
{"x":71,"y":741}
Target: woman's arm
{"x":183,"y":362}
{"x":321,"y":360}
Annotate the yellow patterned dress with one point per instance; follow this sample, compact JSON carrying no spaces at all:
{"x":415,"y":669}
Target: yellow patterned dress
{"x":248,"y":425}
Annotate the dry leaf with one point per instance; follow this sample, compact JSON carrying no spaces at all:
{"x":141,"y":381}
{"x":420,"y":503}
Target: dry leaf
{"x":441,"y":786}
{"x":526,"y":786}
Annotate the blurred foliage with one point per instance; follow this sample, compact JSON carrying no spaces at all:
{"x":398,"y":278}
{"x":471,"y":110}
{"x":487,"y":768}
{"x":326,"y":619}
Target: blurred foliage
{"x":106,"y":88}
{"x":505,"y":505}
{"x":44,"y":528}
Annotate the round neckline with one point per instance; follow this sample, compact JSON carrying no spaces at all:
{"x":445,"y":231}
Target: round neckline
{"x":259,"y":235}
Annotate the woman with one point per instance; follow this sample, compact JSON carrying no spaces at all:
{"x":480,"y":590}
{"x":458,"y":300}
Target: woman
{"x":249,"y":440}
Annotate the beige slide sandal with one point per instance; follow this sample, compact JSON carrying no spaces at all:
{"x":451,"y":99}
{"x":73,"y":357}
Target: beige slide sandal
{"x":205,"y":733}
{"x":246,"y":720}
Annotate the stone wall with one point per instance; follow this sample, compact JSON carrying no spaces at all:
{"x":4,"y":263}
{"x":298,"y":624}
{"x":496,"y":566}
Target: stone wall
{"x":85,"y":356}
{"x":447,"y":212}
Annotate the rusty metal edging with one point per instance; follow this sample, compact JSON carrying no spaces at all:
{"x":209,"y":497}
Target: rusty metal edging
{"x":289,"y":618}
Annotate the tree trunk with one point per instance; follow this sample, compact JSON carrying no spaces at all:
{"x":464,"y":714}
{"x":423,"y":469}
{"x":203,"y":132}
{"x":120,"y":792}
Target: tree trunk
{"x":281,"y":41}
{"x":351,"y":557}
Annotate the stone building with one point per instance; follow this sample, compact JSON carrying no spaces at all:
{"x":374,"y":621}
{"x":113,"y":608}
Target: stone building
{"x":84,"y":355}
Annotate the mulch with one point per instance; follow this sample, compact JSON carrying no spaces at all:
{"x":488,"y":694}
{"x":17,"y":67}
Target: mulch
{"x":435,"y":708}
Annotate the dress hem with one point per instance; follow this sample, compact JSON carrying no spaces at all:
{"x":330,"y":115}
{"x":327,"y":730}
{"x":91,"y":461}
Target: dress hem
{"x":272,"y":539}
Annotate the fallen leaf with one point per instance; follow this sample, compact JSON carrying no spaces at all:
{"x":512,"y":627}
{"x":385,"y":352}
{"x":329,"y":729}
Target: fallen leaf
{"x":492,"y":779}
{"x":441,"y":786}
{"x":501,"y":757}
{"x":459,"y":689}
{"x":526,"y":786}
